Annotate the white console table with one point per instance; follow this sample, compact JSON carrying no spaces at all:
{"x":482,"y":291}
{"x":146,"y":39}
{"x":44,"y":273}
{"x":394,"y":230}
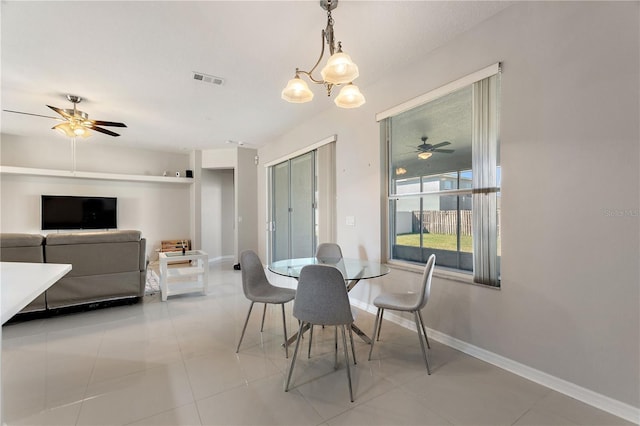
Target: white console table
{"x":20,"y":283}
{"x":187,"y":279}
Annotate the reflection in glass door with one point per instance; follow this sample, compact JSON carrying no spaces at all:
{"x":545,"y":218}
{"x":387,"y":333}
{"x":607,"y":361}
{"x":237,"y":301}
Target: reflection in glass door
{"x":280,"y":211}
{"x":293,"y":208}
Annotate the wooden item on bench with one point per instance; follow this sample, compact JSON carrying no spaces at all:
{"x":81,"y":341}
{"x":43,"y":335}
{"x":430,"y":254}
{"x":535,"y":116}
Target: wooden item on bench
{"x":175,"y":245}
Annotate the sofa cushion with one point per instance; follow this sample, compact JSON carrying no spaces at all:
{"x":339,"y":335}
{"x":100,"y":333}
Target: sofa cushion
{"x":20,"y":240}
{"x":95,"y":259}
{"x":93,"y":237}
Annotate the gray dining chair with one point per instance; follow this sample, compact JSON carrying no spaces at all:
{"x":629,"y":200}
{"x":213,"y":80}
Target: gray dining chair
{"x":407,"y":302}
{"x":321,"y":298}
{"x":325,"y":252}
{"x":328,"y":251}
{"x":258,"y":289}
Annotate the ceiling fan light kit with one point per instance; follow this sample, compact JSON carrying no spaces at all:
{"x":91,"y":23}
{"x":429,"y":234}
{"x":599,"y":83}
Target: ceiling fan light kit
{"x":75,"y":122}
{"x":425,"y":150}
{"x":339,"y":69}
{"x":71,"y":129}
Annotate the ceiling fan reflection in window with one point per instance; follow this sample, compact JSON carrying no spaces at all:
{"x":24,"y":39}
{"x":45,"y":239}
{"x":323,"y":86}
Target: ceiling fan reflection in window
{"x":76,"y":122}
{"x":426,"y":150}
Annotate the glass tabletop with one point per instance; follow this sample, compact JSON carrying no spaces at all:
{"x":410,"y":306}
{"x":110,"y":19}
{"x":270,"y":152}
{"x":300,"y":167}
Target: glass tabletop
{"x":180,"y":254}
{"x":352,"y":269}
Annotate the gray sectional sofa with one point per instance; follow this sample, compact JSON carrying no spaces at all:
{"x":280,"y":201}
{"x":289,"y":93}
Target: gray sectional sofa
{"x":106,"y":265}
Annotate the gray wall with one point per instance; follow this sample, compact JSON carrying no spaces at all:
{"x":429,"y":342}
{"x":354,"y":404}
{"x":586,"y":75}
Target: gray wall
{"x":570,"y":165}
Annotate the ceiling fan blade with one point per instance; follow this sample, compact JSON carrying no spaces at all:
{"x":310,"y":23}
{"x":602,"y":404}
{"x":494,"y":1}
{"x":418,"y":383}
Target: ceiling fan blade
{"x":107,"y":123}
{"x":101,"y":130}
{"x":60,"y":111}
{"x":446,"y":151}
{"x":35,"y":115}
{"x":438,"y":145}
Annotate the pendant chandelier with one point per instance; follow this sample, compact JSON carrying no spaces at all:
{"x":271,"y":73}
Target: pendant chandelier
{"x":339,"y":70}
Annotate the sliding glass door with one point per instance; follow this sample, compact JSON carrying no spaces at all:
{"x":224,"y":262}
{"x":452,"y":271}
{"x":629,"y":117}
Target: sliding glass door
{"x":293,"y":202}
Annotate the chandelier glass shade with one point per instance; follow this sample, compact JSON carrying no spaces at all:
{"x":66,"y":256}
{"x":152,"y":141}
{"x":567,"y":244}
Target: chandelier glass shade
{"x":349,"y":97}
{"x":297,"y":91}
{"x":424,"y":155}
{"x":339,"y":69}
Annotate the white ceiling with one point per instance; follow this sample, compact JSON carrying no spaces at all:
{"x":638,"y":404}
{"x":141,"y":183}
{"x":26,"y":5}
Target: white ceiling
{"x":133,"y":62}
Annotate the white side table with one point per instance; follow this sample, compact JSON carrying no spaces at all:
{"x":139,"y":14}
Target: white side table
{"x":188,"y":279}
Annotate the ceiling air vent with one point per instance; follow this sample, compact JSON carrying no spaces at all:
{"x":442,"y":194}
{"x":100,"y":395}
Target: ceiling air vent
{"x":206,"y":78}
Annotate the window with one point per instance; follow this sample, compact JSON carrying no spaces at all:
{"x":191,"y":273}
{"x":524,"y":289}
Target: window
{"x":444,"y":178}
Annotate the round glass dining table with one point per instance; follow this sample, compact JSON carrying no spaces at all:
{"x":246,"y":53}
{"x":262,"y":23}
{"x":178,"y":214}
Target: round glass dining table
{"x":353,"y":270}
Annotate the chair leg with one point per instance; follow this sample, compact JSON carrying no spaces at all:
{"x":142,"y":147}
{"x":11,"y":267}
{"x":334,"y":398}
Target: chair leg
{"x":284,"y":327}
{"x":375,"y":331}
{"x":335,"y":364}
{"x":264,"y":312}
{"x":346,"y":359}
{"x":423,"y":329}
{"x":310,"y":339}
{"x":293,"y":359}
{"x":245,"y":327}
{"x":353,"y":348}
{"x":418,"y":329}
{"x":380,"y":323}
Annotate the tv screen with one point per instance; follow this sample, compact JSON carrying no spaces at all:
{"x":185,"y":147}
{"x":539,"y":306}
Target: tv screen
{"x":71,"y":212}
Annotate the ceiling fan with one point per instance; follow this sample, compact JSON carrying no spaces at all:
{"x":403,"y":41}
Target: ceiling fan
{"x":426,"y":150}
{"x":76,"y":122}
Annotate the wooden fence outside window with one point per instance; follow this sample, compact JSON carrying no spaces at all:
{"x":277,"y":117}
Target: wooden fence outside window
{"x":445,"y":222}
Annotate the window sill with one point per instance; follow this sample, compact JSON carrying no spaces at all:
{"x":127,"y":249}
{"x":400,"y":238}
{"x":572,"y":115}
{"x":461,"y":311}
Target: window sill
{"x":439,"y":272}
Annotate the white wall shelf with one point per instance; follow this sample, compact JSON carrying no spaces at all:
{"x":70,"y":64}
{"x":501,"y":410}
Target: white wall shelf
{"x":27,"y":171}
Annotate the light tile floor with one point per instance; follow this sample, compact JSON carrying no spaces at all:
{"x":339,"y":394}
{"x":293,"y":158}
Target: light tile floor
{"x":174,"y":363}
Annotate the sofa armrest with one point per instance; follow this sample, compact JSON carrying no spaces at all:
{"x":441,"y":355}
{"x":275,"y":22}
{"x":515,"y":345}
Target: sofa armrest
{"x":20,"y":240}
{"x":21,"y":248}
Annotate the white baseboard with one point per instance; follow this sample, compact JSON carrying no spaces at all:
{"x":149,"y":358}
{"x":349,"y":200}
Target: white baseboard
{"x":221,"y":259}
{"x":602,"y":402}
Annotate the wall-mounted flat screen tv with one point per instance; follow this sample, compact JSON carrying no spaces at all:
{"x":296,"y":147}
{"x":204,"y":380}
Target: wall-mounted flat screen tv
{"x":72,"y":212}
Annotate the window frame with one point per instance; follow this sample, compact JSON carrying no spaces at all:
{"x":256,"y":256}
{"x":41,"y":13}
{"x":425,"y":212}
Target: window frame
{"x":388,"y":200}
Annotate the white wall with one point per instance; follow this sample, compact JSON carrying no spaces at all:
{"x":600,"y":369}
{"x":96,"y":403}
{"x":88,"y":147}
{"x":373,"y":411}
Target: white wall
{"x":246,"y":193}
{"x":107,"y":157}
{"x":218,"y":214}
{"x":238,"y":212}
{"x":569,"y":301}
{"x":159,"y":210}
